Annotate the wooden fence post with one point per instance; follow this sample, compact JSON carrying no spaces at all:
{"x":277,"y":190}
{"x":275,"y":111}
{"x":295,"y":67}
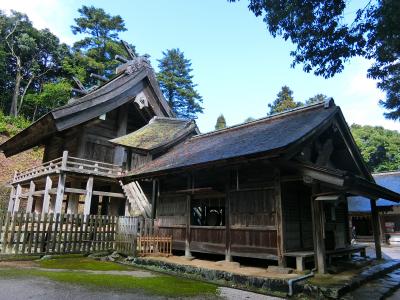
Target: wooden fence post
{"x":17,"y":198}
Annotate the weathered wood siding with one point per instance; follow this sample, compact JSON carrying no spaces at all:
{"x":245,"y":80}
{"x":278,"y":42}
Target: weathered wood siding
{"x":296,"y":201}
{"x":253,"y":228}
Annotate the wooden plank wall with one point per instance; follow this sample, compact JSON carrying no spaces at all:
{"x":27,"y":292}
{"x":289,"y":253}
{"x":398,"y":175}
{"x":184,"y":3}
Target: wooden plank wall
{"x":296,"y":201}
{"x":253,"y":227}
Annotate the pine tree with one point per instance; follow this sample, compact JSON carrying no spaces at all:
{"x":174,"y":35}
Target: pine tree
{"x":177,"y":85}
{"x":283,"y":102}
{"x":221,"y":123}
{"x":95,"y":53}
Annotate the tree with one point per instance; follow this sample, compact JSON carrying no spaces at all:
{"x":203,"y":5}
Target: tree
{"x":249,"y":119}
{"x":95,"y":53}
{"x":177,"y":85}
{"x":283,"y":102}
{"x":324,"y":41}
{"x":31,"y":55}
{"x":221,"y":123}
{"x":379,"y":147}
{"x":316,"y":98}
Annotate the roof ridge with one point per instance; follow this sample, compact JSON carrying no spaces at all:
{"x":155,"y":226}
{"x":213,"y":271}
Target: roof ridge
{"x":263,"y":119}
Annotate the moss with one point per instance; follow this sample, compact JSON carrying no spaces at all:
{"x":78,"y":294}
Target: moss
{"x":159,"y":285}
{"x":82,"y":263}
{"x":8,"y":257}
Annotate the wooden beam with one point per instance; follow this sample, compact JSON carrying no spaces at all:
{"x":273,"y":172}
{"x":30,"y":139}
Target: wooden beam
{"x":375,"y":229}
{"x":46,"y":196}
{"x":88,"y":197}
{"x":317,"y":214}
{"x":17,"y":198}
{"x":60,"y":193}
{"x":279,"y":218}
{"x":108,"y":194}
{"x":29,"y":204}
{"x":75,"y":191}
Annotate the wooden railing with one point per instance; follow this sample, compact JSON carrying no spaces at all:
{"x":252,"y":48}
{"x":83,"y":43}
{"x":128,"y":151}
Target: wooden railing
{"x":71,"y":164}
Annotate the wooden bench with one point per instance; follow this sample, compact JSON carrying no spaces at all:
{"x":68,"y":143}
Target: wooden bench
{"x":303,"y":256}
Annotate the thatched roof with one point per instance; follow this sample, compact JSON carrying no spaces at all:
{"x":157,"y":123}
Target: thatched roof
{"x":159,"y":132}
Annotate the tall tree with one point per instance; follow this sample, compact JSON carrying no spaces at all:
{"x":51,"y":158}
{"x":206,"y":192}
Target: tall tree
{"x":324,"y":41}
{"x":221,"y":122}
{"x":32,"y":55}
{"x":176,"y":83}
{"x":95,"y":53}
{"x":316,"y":98}
{"x":284,"y":101}
{"x":379,"y":147}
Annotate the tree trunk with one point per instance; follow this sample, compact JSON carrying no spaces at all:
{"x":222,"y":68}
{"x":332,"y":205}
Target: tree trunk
{"x":14,"y":102}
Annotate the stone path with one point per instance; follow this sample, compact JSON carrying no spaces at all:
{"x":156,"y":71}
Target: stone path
{"x":234,"y":294}
{"x":377,"y":289}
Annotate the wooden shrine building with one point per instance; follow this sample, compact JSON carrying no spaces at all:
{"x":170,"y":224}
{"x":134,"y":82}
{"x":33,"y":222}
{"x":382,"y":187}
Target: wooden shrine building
{"x":275,"y":188}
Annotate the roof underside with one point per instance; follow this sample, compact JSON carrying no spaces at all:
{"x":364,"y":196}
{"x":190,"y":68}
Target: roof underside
{"x":271,"y":135}
{"x":108,"y":97}
{"x":158,"y":132}
{"x":390,"y":180}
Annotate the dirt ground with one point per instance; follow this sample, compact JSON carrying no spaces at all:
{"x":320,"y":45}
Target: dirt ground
{"x":223,"y":266}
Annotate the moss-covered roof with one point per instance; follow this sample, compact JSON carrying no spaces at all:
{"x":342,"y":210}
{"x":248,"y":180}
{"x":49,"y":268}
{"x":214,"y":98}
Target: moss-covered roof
{"x":160,"y":131}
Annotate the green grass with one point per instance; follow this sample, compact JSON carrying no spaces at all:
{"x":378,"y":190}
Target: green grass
{"x":162,"y":285}
{"x":81,"y":263}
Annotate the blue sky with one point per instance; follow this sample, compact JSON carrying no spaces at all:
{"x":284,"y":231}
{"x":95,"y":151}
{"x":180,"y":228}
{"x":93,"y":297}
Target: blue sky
{"x":238,"y":66}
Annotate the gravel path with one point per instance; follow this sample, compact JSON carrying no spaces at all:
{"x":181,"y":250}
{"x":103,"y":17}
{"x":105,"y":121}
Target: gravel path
{"x":44,"y":289}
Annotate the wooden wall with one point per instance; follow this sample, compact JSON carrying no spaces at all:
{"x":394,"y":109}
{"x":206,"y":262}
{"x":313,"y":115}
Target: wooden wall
{"x":296,"y":202}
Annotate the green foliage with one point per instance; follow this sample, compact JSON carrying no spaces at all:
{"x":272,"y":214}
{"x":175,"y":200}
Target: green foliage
{"x":95,"y":53}
{"x":379,"y":147}
{"x":53,"y":95}
{"x":249,"y":119}
{"x":32,"y":57}
{"x":10,"y":125}
{"x":177,"y":85}
{"x":221,"y":123}
{"x":324,"y":41}
{"x":316,"y":98}
{"x":283,"y":102}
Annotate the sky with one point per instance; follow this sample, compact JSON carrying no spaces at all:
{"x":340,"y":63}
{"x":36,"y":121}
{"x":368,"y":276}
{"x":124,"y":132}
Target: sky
{"x":237,"y":66}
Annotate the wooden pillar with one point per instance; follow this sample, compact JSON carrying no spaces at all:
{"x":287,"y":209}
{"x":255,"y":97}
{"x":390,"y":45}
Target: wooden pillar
{"x":188,"y":253}
{"x":12,"y":199}
{"x":17,"y":198}
{"x":375,"y":229}
{"x":46,"y":197}
{"x":382,"y":228}
{"x":279,"y":219}
{"x":228,"y":256}
{"x":29,"y":204}
{"x":153,"y":199}
{"x":88,"y":196}
{"x":60,"y":192}
{"x":317,"y":213}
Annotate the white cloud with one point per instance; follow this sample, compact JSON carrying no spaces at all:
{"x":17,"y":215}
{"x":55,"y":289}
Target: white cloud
{"x":51,"y":14}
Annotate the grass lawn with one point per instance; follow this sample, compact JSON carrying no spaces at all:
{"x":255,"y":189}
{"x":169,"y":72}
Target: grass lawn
{"x":161,"y":285}
{"x":82,"y":263}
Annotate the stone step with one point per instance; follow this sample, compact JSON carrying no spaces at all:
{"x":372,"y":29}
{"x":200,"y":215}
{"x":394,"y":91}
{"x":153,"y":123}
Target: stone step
{"x":341,"y":291}
{"x":377,"y":289}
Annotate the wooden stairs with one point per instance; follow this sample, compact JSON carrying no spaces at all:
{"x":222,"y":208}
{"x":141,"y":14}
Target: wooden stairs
{"x":138,"y":202}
